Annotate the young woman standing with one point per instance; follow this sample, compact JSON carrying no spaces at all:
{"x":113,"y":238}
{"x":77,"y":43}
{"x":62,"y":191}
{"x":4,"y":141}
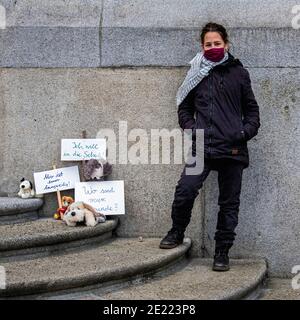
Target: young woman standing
{"x":218,"y":89}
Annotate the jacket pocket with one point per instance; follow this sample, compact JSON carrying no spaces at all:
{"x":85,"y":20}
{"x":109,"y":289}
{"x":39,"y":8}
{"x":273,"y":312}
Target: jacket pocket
{"x":237,"y":137}
{"x":243,"y":139}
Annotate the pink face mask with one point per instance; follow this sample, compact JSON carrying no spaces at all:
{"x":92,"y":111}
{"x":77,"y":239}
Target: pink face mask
{"x":214,"y":54}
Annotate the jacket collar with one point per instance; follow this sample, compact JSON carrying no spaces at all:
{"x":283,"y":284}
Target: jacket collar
{"x":230,"y":61}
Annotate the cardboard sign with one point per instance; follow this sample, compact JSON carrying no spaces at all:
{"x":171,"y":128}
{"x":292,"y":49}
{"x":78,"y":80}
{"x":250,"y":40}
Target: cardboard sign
{"x":106,"y":197}
{"x":54,"y":180}
{"x":82,"y":149}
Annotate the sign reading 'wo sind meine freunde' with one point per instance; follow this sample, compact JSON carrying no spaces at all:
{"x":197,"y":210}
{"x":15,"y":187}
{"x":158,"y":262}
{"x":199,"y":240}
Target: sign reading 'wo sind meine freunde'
{"x":106,"y":197}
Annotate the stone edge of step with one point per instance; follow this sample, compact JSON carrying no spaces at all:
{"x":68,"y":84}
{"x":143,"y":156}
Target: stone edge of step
{"x":33,"y":241}
{"x":250,"y":289}
{"x":114,"y":274}
{"x":245,"y":292}
{"x":15,"y":205}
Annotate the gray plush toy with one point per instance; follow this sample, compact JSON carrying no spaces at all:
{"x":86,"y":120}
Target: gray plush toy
{"x":96,"y":169}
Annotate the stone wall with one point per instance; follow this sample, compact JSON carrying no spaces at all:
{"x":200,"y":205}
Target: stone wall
{"x":67,"y":66}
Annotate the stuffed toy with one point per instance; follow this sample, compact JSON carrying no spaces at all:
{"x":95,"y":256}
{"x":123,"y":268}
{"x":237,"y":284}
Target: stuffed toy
{"x":66,"y":201}
{"x":96,"y":170}
{"x":26,"y":189}
{"x":80,"y":212}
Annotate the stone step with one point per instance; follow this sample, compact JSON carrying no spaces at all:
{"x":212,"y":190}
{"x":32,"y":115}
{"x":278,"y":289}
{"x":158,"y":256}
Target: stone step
{"x":116,"y":260}
{"x":196,"y":280}
{"x":192,"y":279}
{"x":14,"y":209}
{"x":45,"y":236}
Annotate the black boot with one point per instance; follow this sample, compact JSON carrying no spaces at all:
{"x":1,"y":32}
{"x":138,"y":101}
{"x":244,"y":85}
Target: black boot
{"x":173,"y":238}
{"x":221,"y":259}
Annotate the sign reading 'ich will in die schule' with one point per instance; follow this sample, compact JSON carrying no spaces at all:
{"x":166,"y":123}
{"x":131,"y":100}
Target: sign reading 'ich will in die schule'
{"x":82,"y":149}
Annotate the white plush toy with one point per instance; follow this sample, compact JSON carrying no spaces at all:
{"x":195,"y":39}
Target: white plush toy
{"x":26,"y":189}
{"x":81,"y":212}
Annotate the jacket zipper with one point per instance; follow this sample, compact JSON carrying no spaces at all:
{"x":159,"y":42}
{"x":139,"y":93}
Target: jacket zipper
{"x":221,"y":82}
{"x":210,"y":115}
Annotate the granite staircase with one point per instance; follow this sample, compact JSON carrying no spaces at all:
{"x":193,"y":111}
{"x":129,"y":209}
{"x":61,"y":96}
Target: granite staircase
{"x":45,"y":259}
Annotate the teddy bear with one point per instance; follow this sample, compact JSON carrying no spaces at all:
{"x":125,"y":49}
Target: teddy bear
{"x":26,"y":189}
{"x":66,"y":201}
{"x":80,"y":212}
{"x":96,"y":169}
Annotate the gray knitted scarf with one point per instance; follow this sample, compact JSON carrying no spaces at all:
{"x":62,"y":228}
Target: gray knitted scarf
{"x":199,"y":69}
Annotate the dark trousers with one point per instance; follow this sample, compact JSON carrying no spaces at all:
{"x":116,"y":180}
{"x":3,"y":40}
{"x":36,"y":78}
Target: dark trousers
{"x":229,"y":181}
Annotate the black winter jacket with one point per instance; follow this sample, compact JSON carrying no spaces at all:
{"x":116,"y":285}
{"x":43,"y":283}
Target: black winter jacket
{"x":225,"y":108}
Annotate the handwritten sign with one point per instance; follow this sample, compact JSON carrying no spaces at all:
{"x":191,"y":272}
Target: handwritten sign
{"x":105,"y":196}
{"x":54,"y":180}
{"x":82,"y":149}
